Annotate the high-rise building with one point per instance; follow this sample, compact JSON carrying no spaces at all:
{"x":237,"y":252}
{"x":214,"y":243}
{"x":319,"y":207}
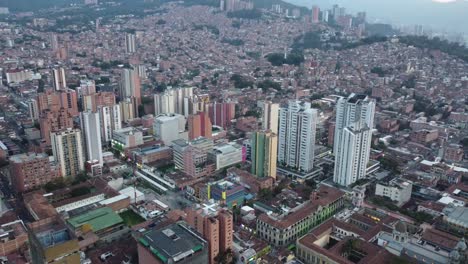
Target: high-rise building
{"x":192,"y":157}
{"x":69,"y":100}
{"x":67,"y":147}
{"x":53,"y":121}
{"x":221,"y":114}
{"x":264,"y":148}
{"x":315,"y":14}
{"x":93,"y":101}
{"x":199,"y":125}
{"x":60,"y":81}
{"x":33,"y":109}
{"x":31,"y":170}
{"x":130,"y":43}
{"x":353,"y":135}
{"x":52,"y":100}
{"x":91,"y":127}
{"x":130,"y":86}
{"x":128,"y":109}
{"x":111,"y":120}
{"x":174,"y":100}
{"x":215,"y":225}
{"x":86,"y":87}
{"x":270,"y":116}
{"x":298,"y":124}
{"x":54,"y":43}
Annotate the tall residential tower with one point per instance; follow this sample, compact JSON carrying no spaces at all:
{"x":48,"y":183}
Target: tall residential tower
{"x":353,"y":134}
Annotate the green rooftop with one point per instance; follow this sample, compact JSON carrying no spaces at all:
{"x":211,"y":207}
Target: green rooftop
{"x":98,"y":219}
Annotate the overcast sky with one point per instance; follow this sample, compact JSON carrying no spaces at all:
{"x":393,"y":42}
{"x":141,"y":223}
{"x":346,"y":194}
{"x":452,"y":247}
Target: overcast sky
{"x":449,"y":15}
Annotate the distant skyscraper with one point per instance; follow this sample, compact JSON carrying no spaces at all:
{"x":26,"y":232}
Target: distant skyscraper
{"x":199,"y":125}
{"x":67,"y":147}
{"x":315,"y":14}
{"x":264,"y":148}
{"x":270,"y":116}
{"x":91,"y":127}
{"x":353,"y":135}
{"x":130,"y":85}
{"x":174,"y":100}
{"x":298,"y":124}
{"x":54,"y":44}
{"x":111,"y":120}
{"x":130,"y":43}
{"x":60,"y":82}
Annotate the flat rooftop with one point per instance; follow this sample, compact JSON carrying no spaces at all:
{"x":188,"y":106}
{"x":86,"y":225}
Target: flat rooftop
{"x":173,"y":242}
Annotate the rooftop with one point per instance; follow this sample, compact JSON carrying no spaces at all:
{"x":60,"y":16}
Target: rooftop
{"x":173,"y":242}
{"x":98,"y":219}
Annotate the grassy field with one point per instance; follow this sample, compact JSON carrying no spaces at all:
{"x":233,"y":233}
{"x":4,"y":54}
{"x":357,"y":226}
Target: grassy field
{"x":131,"y":218}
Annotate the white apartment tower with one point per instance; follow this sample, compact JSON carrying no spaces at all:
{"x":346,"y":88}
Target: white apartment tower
{"x":67,"y":148}
{"x":297,"y":128}
{"x":91,"y":127}
{"x":130,"y":43}
{"x":353,"y":135}
{"x":174,"y":100}
{"x":270,"y":116}
{"x":60,"y":81}
{"x":110,"y":119}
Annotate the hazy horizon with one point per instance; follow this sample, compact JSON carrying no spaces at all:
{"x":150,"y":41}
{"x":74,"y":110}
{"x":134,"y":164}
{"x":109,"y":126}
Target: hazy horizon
{"x":443,"y":15}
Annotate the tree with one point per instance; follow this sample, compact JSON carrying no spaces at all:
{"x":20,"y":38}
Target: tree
{"x":265,"y":194}
{"x":464,"y":142}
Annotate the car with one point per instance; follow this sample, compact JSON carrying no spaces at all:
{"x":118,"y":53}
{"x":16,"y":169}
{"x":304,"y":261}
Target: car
{"x":105,"y":256}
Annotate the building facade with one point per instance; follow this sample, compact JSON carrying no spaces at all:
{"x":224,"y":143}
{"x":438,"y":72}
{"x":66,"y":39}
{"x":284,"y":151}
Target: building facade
{"x":298,"y":124}
{"x":67,"y":147}
{"x":264,"y":147}
{"x":353,"y":135}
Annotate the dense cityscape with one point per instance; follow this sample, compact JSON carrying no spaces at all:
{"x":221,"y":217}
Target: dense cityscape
{"x":228,"y":131}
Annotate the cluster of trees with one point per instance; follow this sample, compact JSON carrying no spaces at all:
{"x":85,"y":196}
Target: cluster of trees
{"x":245,"y":14}
{"x":241,"y":81}
{"x":419,"y":217}
{"x":379,"y":71}
{"x":267,"y":84}
{"x":313,"y":40}
{"x":214,"y":30}
{"x":278,"y":59}
{"x":233,"y":42}
{"x":451,"y":48}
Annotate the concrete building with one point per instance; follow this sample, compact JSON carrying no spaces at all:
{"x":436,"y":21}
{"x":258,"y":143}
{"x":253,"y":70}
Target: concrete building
{"x":18,"y":76}
{"x":315,"y":14}
{"x":282,"y":230}
{"x":32,"y":170}
{"x":90,"y":125}
{"x":67,"y":147}
{"x":199,"y":125}
{"x":52,"y":242}
{"x":33,"y":109}
{"x":226,"y":193}
{"x":130,"y":43}
{"x":174,"y":100}
{"x":130,"y":86}
{"x":91,"y":102}
{"x":397,"y":190}
{"x":192,"y":157}
{"x":227,"y":154}
{"x":128,"y":109}
{"x":221,"y":114}
{"x":13,"y":237}
{"x":454,"y":153}
{"x":53,"y":101}
{"x":298,"y":124}
{"x":270,"y":116}
{"x":152,"y":154}
{"x":54,"y":121}
{"x":264,"y":147}
{"x":424,"y":136}
{"x":353,"y":134}
{"x":128,"y":137}
{"x":59,"y":78}
{"x":169,"y":127}
{"x":176,"y":243}
{"x":111,"y":120}
{"x":215,"y":225}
